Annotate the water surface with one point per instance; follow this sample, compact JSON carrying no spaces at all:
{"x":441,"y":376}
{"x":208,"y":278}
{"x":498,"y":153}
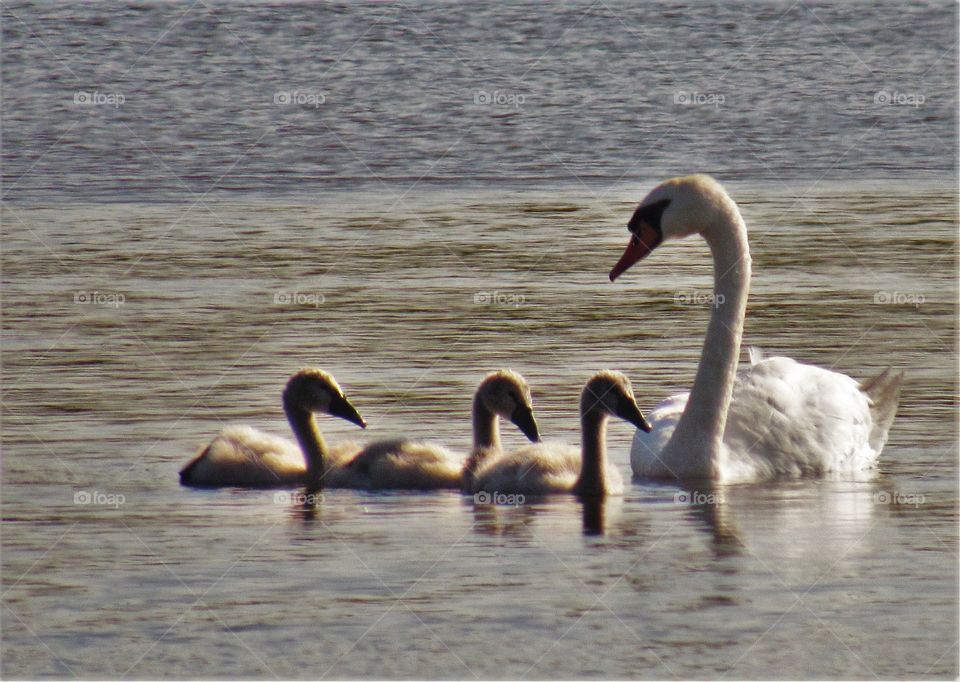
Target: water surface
{"x":813,"y":578}
{"x":449,"y":202}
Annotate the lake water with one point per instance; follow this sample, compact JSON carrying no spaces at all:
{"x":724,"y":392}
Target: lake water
{"x":169,"y":261}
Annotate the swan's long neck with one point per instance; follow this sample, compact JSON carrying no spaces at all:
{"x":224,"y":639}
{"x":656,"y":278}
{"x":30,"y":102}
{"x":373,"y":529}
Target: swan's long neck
{"x":486,"y":441}
{"x":593,"y":469}
{"x":694,"y":450}
{"x":486,"y":431}
{"x":311,"y":441}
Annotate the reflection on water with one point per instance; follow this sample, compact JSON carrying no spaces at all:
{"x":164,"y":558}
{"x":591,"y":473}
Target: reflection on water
{"x":800,"y":579}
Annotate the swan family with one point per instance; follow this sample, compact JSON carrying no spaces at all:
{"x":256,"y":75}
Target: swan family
{"x":773,"y":418}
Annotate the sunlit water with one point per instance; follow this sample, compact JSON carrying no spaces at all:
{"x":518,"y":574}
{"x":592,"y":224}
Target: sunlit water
{"x":140,"y":316}
{"x":795,"y":579}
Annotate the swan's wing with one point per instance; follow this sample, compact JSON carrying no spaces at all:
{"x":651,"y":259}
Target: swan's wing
{"x":244,"y":456}
{"x":535,"y":469}
{"x":343,"y":452}
{"x":792,"y":419}
{"x":645,"y":451}
{"x":400,"y":465}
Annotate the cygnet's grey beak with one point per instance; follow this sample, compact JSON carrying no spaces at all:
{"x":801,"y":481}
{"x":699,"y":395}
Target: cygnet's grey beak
{"x":523,"y":417}
{"x":627,"y":409}
{"x":342,"y":408}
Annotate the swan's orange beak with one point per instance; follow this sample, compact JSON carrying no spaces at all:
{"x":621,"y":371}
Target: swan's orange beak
{"x":639,"y":248}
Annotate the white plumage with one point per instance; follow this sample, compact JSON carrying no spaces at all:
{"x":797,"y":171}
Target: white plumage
{"x":776,"y":417}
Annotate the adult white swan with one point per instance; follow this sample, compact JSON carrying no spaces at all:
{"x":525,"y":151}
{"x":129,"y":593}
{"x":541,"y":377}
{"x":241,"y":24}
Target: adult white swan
{"x":778,"y":417}
{"x":561,"y":468}
{"x":245,"y":457}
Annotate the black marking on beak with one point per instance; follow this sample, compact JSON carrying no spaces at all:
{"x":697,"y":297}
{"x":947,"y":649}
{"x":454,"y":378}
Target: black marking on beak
{"x":651,"y":214}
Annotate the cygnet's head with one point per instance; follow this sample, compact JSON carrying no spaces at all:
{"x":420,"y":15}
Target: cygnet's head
{"x":505,"y":393}
{"x":314,"y":390}
{"x":609,"y":393}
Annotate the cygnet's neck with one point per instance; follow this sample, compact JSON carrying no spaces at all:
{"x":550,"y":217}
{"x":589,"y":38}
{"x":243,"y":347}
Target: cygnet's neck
{"x":311,"y":442}
{"x":486,"y":429}
{"x":592,"y":481}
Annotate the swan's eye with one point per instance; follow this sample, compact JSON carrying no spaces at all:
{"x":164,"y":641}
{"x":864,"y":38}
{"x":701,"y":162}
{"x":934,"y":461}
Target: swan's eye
{"x":651,"y":214}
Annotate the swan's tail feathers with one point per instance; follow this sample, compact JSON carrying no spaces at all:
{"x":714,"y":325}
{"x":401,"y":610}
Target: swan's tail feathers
{"x":756,"y":354}
{"x":884,"y":393}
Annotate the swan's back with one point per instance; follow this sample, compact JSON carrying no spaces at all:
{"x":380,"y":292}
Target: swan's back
{"x":245,"y":457}
{"x":399,"y":465}
{"x":792,"y":419}
{"x":534,"y":469}
{"x":539,"y":469}
{"x":786,"y":419}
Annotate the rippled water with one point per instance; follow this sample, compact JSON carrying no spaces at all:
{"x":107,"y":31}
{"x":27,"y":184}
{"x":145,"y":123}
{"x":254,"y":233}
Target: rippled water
{"x":258,"y":97}
{"x":797,"y":579}
{"x":140,"y":315}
